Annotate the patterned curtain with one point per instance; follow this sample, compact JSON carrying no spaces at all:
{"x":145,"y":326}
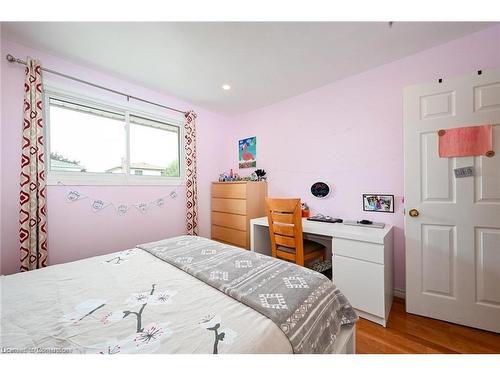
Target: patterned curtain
{"x":191,"y":183}
{"x":33,"y":215}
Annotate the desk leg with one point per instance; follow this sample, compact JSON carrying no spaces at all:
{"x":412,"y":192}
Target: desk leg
{"x":260,"y":241}
{"x":333,"y":264}
{"x":252,"y":234}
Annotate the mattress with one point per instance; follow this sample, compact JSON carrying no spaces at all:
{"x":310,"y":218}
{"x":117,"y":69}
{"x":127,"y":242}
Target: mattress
{"x":131,"y":302}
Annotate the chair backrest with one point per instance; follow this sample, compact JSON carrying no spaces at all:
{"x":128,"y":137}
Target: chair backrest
{"x":285,"y":227}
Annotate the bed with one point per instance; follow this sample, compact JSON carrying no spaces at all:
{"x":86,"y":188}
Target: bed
{"x":180,"y":295}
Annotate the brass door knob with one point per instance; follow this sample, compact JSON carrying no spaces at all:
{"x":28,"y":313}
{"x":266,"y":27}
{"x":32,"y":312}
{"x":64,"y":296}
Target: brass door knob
{"x":413,"y":212}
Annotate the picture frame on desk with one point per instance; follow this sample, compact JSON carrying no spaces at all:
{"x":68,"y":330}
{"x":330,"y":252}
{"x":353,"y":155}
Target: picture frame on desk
{"x":378,"y":203}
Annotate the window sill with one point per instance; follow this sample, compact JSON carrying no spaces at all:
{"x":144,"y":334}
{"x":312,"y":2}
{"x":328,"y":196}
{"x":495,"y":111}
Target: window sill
{"x":96,"y":179}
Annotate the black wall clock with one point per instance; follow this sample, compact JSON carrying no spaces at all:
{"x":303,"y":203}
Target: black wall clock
{"x":320,"y":189}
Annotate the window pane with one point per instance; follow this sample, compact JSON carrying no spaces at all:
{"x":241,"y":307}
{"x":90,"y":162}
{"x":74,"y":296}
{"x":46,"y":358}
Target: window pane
{"x":154,"y":148}
{"x":86,"y":139}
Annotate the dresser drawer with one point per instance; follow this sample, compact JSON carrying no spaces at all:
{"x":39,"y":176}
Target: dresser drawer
{"x":368,"y":251}
{"x":224,"y":219}
{"x":232,"y":236}
{"x":361,"y":282}
{"x":232,"y":206}
{"x":229,"y":190}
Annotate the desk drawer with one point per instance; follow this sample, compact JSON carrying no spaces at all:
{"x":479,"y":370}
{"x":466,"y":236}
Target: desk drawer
{"x":229,"y":190}
{"x":232,"y":206}
{"x":361,"y":282}
{"x":232,"y":236}
{"x":224,"y":219}
{"x":368,"y":251}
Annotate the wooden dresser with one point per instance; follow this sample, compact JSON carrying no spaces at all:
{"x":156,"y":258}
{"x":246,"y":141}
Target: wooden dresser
{"x":233,"y":205}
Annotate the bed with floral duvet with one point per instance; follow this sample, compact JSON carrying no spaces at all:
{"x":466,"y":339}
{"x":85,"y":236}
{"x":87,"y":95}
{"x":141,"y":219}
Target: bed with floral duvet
{"x":180,"y":295}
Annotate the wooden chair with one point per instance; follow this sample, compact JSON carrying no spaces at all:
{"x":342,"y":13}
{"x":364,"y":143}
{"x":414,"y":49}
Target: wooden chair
{"x":285,"y":230}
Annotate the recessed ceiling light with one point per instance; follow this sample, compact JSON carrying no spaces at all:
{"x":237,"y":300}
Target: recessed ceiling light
{"x":226,"y":87}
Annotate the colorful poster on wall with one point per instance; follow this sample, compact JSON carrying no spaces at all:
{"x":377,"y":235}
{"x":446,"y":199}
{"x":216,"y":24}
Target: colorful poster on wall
{"x":247,"y":149}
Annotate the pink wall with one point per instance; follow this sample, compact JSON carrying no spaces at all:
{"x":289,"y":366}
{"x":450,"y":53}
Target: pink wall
{"x":74,"y":231}
{"x":350,"y":133}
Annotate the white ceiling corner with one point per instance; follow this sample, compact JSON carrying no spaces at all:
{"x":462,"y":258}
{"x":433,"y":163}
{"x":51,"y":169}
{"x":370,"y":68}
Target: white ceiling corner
{"x":264,"y":62}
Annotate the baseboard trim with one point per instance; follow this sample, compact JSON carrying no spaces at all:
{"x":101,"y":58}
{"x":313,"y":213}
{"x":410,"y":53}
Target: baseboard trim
{"x":399,"y":293}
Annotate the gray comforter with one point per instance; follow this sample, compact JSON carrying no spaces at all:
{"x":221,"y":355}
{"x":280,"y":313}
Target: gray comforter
{"x":304,"y":304}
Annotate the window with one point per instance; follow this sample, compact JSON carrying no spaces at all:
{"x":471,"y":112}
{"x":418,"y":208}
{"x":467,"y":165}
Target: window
{"x":157,"y":136}
{"x":85,"y":139}
{"x":90,"y":142}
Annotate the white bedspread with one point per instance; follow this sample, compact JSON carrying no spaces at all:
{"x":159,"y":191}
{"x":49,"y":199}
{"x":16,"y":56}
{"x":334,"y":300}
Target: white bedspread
{"x":127,"y":302}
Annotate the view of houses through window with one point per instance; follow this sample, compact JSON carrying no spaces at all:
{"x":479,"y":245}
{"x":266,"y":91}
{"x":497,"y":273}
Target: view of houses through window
{"x":86,"y":139}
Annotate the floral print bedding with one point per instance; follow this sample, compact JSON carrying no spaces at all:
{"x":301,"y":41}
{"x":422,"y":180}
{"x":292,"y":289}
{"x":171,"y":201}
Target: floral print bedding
{"x":127,"y":302}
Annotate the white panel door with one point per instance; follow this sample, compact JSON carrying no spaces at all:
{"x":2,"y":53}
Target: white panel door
{"x":453,"y":245}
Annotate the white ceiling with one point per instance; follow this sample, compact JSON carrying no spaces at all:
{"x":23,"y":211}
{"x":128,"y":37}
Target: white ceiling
{"x":263,"y":62}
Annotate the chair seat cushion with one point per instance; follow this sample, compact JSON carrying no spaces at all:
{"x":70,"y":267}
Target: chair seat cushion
{"x":309,"y":247}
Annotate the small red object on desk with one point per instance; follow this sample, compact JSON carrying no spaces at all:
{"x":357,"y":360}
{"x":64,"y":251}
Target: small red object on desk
{"x":305,"y":210}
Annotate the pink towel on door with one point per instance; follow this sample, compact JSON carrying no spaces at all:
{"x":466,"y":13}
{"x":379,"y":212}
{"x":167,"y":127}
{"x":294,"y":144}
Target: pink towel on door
{"x":468,"y":141}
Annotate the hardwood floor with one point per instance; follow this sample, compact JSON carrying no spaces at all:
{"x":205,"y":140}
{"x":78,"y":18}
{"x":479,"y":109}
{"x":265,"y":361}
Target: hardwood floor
{"x":408,"y":333}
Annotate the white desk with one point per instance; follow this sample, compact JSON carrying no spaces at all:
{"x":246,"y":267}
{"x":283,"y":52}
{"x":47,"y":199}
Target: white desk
{"x":362,"y":261}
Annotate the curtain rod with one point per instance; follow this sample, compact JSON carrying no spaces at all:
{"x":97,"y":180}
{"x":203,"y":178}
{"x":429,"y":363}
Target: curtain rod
{"x":13,"y":59}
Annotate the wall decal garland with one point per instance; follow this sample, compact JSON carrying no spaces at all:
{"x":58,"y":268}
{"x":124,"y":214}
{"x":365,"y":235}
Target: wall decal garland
{"x":121,"y":209}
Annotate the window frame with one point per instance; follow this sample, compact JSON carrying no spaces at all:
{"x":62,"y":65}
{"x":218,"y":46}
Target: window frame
{"x":97,"y":178}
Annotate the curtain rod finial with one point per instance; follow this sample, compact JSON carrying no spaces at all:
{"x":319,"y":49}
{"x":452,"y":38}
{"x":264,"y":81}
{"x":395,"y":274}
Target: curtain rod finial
{"x":10,"y":58}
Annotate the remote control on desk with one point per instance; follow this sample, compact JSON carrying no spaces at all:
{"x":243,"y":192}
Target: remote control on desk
{"x":366,"y":222}
{"x":324,"y":219}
